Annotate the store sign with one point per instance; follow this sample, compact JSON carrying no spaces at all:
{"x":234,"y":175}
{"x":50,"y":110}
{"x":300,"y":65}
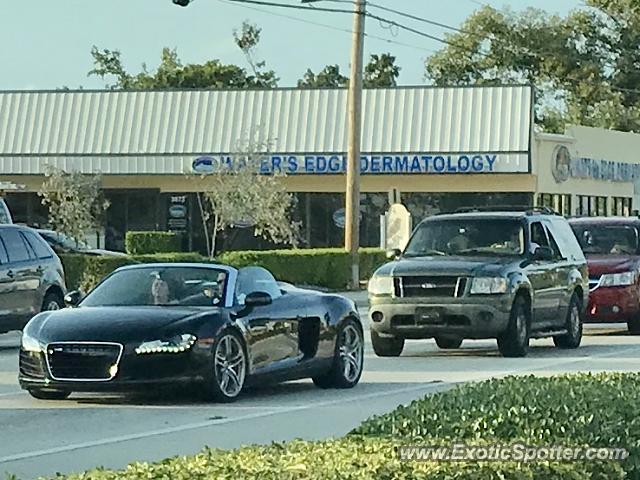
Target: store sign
{"x":177,"y":215}
{"x":376,"y":164}
{"x":604,"y":170}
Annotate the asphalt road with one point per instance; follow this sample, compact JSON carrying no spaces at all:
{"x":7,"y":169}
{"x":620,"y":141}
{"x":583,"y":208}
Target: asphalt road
{"x":41,"y":438}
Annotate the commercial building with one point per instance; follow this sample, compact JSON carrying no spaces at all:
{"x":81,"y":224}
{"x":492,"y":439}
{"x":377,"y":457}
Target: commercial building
{"x":438,"y":149}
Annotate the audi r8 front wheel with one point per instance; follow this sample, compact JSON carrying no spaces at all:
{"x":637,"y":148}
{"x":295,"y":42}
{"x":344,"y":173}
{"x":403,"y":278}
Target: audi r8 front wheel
{"x":348,"y":358}
{"x":229,"y":368}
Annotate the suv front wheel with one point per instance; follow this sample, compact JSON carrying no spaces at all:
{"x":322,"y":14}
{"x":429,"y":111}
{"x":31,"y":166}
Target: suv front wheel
{"x":386,"y":346}
{"x":514,"y":341}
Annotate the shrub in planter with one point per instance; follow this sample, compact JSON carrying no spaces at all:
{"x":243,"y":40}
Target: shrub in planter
{"x":141,"y":243}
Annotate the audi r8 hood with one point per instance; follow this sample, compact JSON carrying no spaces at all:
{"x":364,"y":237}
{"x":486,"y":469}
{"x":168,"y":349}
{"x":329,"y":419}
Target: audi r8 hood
{"x":115,"y":324}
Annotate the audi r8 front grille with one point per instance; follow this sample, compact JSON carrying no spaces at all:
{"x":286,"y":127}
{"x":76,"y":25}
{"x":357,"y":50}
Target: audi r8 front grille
{"x":430,"y":286}
{"x":83,"y":361}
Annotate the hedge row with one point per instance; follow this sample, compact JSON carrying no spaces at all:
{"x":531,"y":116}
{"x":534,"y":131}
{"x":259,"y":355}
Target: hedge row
{"x":324,"y":267}
{"x":144,"y":243}
{"x":574,"y":410}
{"x":327,"y":268}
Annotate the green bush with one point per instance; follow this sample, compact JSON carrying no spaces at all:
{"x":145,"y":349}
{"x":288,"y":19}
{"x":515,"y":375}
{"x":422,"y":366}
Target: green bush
{"x":324,"y":267}
{"x":142,"y":243}
{"x":350,"y":458}
{"x":600,"y":410}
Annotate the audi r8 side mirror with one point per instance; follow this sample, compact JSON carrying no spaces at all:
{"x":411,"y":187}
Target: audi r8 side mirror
{"x":393,"y":254}
{"x":257,"y":299}
{"x":72,"y":299}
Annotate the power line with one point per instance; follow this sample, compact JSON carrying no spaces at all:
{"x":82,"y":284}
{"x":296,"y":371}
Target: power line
{"x":324,"y":25}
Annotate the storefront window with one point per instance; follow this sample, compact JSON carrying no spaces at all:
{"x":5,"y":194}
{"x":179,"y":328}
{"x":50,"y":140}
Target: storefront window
{"x":592,"y":206}
{"x":557,"y":202}
{"x":621,"y":206}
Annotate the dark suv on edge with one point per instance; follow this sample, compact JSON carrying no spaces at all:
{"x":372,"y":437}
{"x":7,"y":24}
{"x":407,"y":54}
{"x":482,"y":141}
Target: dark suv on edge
{"x":31,"y":277}
{"x":505,"y":275}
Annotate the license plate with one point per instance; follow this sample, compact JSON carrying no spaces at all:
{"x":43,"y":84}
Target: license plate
{"x":428,"y":316}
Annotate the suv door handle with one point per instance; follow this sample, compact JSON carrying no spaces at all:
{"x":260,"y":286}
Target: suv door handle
{"x":10,"y":274}
{"x":40,"y":269}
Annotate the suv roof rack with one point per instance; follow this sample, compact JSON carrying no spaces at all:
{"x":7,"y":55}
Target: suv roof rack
{"x":526,"y":209}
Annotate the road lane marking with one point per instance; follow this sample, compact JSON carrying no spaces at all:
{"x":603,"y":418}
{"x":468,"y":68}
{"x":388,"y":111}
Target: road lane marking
{"x":12,"y":394}
{"x":210,"y":423}
{"x":436,"y":386}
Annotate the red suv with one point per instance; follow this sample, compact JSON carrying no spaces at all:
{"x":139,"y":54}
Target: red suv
{"x":612,"y":248}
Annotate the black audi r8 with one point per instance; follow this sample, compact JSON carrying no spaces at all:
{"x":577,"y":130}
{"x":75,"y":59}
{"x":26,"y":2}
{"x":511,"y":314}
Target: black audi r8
{"x":158,"y":325}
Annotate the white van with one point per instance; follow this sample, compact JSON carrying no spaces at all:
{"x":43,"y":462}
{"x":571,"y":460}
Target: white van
{"x":5,"y":214}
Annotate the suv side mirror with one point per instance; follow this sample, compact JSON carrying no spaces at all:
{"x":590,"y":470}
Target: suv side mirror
{"x":72,"y":299}
{"x":393,"y":253}
{"x":258,"y":299}
{"x":543,"y":254}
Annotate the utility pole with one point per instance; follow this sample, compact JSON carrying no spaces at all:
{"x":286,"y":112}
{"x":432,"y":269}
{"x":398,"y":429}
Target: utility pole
{"x":352,"y":207}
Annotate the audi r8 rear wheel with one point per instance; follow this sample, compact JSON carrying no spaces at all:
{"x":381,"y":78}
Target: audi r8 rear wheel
{"x":229,"y":367}
{"x":347,"y":360}
{"x":49,"y":394}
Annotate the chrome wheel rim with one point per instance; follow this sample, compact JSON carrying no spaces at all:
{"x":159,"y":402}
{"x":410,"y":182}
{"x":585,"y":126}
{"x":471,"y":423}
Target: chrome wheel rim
{"x":52,"y":305}
{"x":230,"y":365}
{"x":575,"y":322}
{"x":351,"y":352}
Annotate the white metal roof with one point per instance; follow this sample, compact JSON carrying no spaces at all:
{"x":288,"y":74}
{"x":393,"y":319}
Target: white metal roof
{"x":157,"y":131}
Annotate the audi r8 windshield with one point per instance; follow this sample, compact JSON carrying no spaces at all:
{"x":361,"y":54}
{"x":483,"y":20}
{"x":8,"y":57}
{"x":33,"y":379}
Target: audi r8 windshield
{"x":160,"y":286}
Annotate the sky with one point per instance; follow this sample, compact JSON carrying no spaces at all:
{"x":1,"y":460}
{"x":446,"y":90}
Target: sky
{"x":46,"y":44}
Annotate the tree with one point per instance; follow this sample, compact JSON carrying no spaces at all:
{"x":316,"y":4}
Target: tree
{"x":239,"y":193}
{"x":381,"y":71}
{"x":171,"y":73}
{"x":584,"y":66}
{"x":328,"y":77}
{"x":75,"y":201}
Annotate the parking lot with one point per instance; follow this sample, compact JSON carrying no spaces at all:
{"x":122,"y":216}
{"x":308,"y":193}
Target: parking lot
{"x":42,"y":438}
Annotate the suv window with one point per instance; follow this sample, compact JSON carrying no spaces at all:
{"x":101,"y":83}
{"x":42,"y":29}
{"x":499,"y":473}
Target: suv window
{"x":554,"y":245}
{"x":538,"y":235}
{"x":15,"y":245}
{"x":39,"y":246}
{"x":3,"y":254}
{"x":255,"y":279}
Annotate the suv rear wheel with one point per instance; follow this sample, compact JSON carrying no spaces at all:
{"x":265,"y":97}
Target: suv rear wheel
{"x":573,"y":324}
{"x":448,"y":343}
{"x":386,"y":346}
{"x":52,"y":301}
{"x":514,"y":341}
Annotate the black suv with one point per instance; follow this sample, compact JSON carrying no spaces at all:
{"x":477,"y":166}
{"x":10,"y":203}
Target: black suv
{"x":509,"y":275}
{"x":31,"y":277}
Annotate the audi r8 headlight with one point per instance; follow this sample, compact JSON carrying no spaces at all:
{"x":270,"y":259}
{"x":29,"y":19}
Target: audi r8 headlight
{"x":177,"y":344}
{"x":380,"y":285}
{"x":30,"y":344}
{"x":618,"y":279}
{"x":488,"y":285}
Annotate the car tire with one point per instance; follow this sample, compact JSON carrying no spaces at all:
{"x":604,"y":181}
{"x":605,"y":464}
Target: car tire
{"x":348,"y":358}
{"x":633,"y":324}
{"x":573,"y":324}
{"x":49,"y":394}
{"x":230,"y":365}
{"x":386,"y":346}
{"x":514,"y":341}
{"x":448,"y":343}
{"x":52,"y":301}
